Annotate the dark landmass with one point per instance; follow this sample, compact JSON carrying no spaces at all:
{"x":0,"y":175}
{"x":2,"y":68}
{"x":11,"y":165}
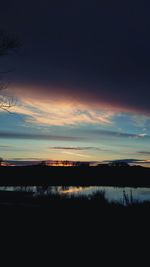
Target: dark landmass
{"x":71,"y":218}
{"x":71,"y":223}
{"x":134,"y":176}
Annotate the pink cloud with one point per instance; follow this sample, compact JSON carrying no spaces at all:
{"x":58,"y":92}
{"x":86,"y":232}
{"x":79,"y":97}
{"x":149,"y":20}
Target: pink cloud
{"x":98,"y":98}
{"x":54,"y":110}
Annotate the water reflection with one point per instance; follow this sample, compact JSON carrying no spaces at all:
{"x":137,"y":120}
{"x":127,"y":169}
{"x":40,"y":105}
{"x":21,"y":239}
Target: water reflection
{"x":112,"y":194}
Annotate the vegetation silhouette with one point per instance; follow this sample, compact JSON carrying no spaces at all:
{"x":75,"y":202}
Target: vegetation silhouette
{"x":24,"y":199}
{"x":133,"y":176}
{"x":1,"y":161}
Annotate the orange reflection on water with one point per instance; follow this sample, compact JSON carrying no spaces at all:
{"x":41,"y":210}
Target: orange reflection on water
{"x":71,"y":190}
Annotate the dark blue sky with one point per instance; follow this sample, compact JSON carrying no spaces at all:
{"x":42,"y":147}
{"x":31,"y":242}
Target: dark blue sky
{"x":101,"y":46}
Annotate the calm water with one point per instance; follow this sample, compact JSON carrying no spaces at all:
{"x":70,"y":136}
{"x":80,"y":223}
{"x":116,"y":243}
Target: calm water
{"x":112,"y":194}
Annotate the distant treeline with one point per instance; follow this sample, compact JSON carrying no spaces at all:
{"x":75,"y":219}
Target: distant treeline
{"x":71,"y":176}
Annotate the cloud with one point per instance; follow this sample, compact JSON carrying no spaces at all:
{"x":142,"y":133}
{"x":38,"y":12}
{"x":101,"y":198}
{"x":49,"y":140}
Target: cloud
{"x":74,"y":150}
{"x":75,"y":154}
{"x":60,"y":107}
{"x":16,"y":135}
{"x":144,"y":152}
{"x":140,"y":121}
{"x":5,"y":146}
{"x":57,"y":111}
{"x":108,"y":133}
{"x":77,"y":148}
{"x":98,"y":97}
{"x":52,"y":106}
{"x":134,"y":161}
{"x":26,"y":159}
{"x":142,"y":135}
{"x":9,"y":148}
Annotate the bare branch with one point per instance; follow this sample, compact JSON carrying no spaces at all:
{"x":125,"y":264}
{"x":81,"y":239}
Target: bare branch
{"x":8,"y":43}
{"x":7,"y":102}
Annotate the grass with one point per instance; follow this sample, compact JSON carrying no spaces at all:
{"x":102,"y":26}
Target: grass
{"x":48,"y":198}
{"x":96,"y":201}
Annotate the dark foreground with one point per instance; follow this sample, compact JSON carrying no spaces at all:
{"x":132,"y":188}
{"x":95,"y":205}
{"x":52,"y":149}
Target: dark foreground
{"x":74,"y":226}
{"x":75,"y":176}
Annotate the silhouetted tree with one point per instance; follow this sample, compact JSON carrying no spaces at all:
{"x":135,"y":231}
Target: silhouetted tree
{"x":8,"y":43}
{"x":43,"y":163}
{"x":82,"y":164}
{"x":56,"y":162}
{"x":65,"y":162}
{"x":1,"y":160}
{"x":119,"y":164}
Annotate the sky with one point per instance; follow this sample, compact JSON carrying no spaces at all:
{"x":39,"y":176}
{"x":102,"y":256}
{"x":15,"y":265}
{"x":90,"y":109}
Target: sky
{"x":80,"y":80}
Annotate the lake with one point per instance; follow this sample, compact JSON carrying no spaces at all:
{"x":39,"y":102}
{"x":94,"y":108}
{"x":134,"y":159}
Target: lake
{"x":122,"y":195}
